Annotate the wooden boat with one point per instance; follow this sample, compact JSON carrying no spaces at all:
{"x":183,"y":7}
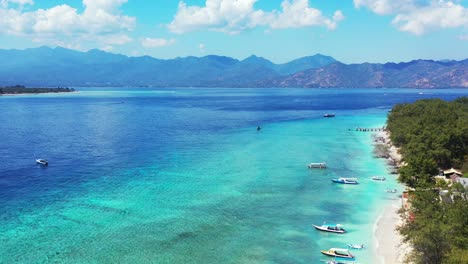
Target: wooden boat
{"x":319,"y":165}
{"x":329,"y":115}
{"x":42,"y":162}
{"x":378,"y":178}
{"x":330,"y":228}
{"x":345,"y":180}
{"x":356,"y":246}
{"x":338,"y":252}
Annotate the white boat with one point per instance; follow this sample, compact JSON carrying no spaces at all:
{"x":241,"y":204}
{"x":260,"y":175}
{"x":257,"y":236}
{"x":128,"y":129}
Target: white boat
{"x":391,"y":190}
{"x":330,"y":228}
{"x":319,"y":165}
{"x":338,"y":252}
{"x":42,"y":162}
{"x":345,"y":180}
{"x":356,"y":246}
{"x":378,"y":178}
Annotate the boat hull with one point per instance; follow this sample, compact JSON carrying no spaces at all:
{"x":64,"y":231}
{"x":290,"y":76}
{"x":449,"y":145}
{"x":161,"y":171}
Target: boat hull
{"x":332,"y":254}
{"x":325,"y":229}
{"x":344,"y":182}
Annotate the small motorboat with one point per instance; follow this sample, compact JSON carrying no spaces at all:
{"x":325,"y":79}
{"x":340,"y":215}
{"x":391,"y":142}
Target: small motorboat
{"x":391,"y":190}
{"x":338,"y":252}
{"x":356,"y":246}
{"x":43,"y":162}
{"x":329,"y":115}
{"x":345,"y":180}
{"x":319,"y":165}
{"x":378,"y":178}
{"x":330,"y":228}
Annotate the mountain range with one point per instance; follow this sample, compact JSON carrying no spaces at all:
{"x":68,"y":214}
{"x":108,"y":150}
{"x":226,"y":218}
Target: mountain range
{"x":58,"y":66}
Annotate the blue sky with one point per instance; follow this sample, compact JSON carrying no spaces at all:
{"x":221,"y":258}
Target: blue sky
{"x":351,"y":31}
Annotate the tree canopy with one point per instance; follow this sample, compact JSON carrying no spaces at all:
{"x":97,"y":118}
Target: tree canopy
{"x":433,"y":135}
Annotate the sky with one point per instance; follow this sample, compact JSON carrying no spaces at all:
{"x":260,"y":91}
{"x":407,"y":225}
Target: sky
{"x":351,"y":31}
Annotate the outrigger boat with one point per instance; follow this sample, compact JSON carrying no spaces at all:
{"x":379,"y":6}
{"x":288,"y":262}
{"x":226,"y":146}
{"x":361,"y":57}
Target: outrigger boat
{"x":42,"y":162}
{"x":337,"y":262}
{"x":356,"y":246}
{"x":338,"y":252}
{"x":320,"y":165}
{"x":330,"y":228}
{"x":345,"y":180}
{"x":378,"y":178}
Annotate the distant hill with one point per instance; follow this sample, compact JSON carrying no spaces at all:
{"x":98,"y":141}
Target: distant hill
{"x":414,"y":74}
{"x":46,"y":66}
{"x":51,"y":67}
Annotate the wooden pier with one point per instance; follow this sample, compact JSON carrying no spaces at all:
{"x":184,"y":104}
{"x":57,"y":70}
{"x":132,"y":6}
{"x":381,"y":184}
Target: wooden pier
{"x":365,"y":129}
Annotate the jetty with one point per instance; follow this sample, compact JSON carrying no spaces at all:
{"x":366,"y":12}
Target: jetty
{"x":364,"y":129}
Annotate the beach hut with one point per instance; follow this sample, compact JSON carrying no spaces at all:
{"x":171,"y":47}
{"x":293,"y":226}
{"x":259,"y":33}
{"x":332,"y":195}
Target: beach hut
{"x":452,"y":173}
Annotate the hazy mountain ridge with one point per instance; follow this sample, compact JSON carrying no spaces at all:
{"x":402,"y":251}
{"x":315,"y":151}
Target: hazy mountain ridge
{"x":46,"y":66}
{"x":413,"y":74}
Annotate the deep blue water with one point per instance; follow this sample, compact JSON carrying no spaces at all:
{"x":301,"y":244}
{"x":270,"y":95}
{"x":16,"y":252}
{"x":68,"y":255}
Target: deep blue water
{"x":135,"y":162}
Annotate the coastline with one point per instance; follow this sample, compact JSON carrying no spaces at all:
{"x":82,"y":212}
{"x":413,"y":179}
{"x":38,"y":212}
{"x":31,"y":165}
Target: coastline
{"x":388,"y":243}
{"x":24,"y":94}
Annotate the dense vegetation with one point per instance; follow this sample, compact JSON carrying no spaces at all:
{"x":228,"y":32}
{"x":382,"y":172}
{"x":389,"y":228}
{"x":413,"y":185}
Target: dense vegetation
{"x":433,"y":135}
{"x":19,"y":89}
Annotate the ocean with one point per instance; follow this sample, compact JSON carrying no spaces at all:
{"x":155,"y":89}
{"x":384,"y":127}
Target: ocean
{"x":143,"y":175}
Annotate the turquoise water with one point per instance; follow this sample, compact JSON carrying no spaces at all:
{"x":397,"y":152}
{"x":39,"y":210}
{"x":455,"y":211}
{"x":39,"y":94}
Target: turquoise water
{"x":182,"y":176}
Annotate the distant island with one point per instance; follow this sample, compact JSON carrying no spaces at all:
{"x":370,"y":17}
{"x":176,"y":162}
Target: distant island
{"x":20,"y":89}
{"x":49,"y":67}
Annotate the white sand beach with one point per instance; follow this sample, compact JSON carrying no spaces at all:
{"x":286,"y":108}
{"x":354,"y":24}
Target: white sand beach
{"x":389,"y":245}
{"x":388,"y":242}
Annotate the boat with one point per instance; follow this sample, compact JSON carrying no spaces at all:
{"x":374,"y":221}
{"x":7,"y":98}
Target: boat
{"x":378,"y":178}
{"x":345,"y":180}
{"x":330,"y":228}
{"x":42,"y":162}
{"x":356,"y":246}
{"x":338,"y":252}
{"x":391,"y":190}
{"x":320,"y":165}
{"x":329,"y":115}
{"x":338,"y":262}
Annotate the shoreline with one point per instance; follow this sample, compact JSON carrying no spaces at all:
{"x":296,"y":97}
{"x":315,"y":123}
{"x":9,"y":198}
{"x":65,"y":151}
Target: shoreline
{"x":24,"y":94}
{"x":388,"y":243}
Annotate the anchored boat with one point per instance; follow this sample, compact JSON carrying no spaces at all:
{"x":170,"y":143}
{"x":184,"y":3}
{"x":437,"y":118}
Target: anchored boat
{"x":378,"y":178}
{"x":356,"y":246}
{"x":330,"y":228}
{"x":319,"y":165}
{"x":42,"y":162}
{"x":338,"y":252}
{"x":345,"y":180}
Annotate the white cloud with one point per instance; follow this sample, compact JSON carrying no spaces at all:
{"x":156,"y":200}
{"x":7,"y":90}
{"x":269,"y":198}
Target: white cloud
{"x":234,"y":16}
{"x":418,"y":16}
{"x":385,"y":7}
{"x":156,"y":42}
{"x":100,"y":21}
{"x":438,"y":15}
